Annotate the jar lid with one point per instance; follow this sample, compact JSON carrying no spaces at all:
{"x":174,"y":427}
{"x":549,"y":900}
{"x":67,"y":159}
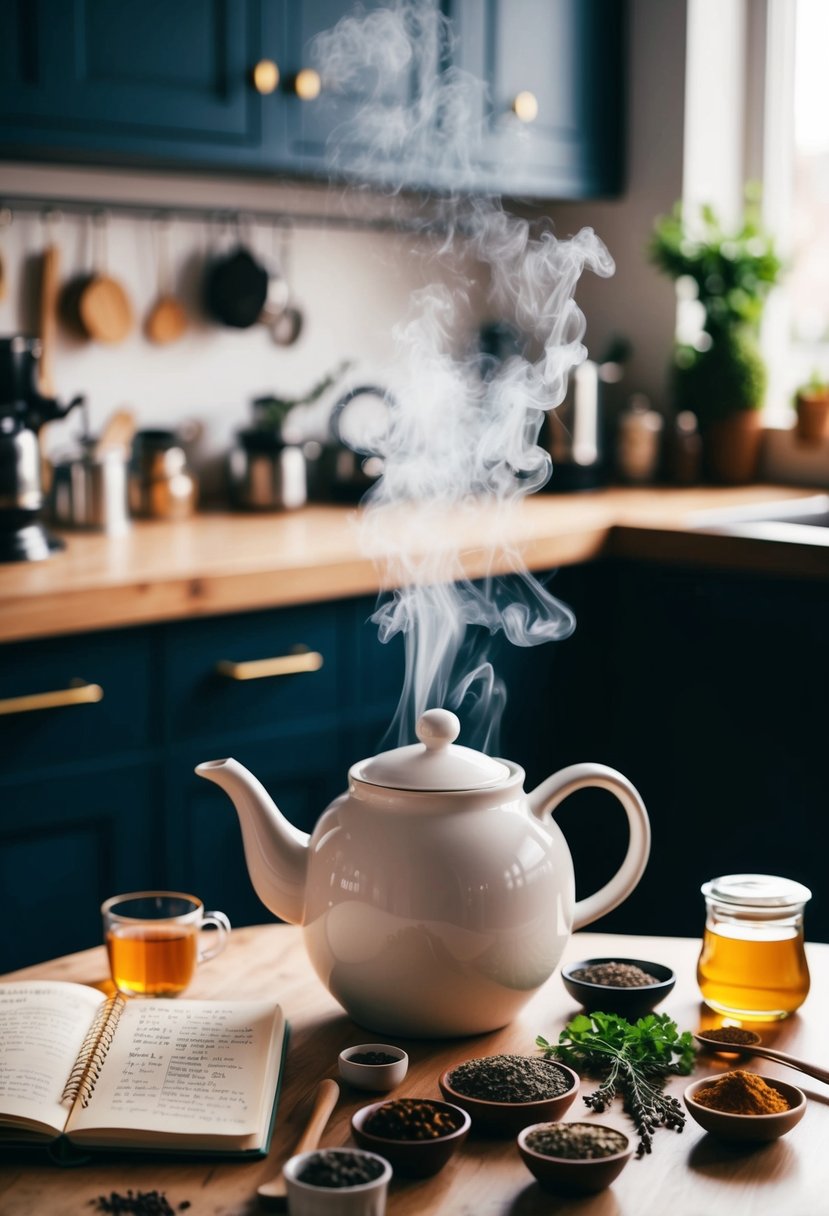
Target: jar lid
{"x":757,"y":891}
{"x":435,"y":763}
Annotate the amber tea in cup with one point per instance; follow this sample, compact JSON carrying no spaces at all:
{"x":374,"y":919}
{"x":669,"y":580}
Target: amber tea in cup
{"x":153,"y":939}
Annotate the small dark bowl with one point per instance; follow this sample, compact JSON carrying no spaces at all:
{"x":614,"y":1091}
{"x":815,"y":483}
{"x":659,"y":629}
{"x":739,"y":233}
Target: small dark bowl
{"x":569,"y":1175}
{"x":630,"y":1003}
{"x":507,"y":1118}
{"x":747,"y":1129}
{"x":412,"y":1158}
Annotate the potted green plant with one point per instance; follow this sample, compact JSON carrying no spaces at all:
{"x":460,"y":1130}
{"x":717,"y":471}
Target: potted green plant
{"x":811,"y":401}
{"x":721,"y":376}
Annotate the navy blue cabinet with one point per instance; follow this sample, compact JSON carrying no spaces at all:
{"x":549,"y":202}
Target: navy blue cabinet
{"x":552,"y":121}
{"x":69,"y":839}
{"x":99,"y":796}
{"x":150,"y":82}
{"x":136,"y":80}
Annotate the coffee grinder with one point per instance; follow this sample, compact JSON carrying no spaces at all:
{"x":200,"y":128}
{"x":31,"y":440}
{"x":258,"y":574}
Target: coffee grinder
{"x":23,"y":411}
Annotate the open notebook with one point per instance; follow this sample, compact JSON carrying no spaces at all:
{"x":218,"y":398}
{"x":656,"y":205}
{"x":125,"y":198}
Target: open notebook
{"x":106,"y":1072}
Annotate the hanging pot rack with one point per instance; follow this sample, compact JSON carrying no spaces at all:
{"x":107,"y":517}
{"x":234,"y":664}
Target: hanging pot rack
{"x":53,"y":209}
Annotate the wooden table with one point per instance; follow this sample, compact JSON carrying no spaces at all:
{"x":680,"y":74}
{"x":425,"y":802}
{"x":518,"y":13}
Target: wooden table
{"x":686,"y":1175}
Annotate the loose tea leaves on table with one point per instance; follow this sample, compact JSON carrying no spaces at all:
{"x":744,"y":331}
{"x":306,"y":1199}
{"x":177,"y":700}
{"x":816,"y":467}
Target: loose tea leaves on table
{"x":634,"y":1060}
{"x":138,"y":1203}
{"x":615,"y":975}
{"x":509,"y":1079}
{"x":576,"y":1141}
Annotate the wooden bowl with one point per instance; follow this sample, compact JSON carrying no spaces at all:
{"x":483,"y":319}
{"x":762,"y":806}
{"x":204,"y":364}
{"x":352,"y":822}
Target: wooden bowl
{"x":748,"y":1128}
{"x":412,"y":1158}
{"x":630,"y":1003}
{"x":570,"y":1175}
{"x":507,"y":1118}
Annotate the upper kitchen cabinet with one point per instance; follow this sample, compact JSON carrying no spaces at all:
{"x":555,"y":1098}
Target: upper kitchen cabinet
{"x":552,"y":122}
{"x":138,"y":80}
{"x":234,"y":84}
{"x":207,"y":83}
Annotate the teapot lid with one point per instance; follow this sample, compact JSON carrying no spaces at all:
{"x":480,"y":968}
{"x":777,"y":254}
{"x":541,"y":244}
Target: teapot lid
{"x":436,"y":762}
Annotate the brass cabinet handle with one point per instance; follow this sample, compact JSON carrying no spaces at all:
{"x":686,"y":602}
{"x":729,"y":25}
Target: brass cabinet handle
{"x":78,"y":693}
{"x":525,"y":106}
{"x":265,"y":76}
{"x":307,"y":84}
{"x":300,"y":659}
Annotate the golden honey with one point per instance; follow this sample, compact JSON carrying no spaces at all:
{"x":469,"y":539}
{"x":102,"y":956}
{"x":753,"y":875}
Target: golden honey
{"x":756,"y":976}
{"x":753,"y":962}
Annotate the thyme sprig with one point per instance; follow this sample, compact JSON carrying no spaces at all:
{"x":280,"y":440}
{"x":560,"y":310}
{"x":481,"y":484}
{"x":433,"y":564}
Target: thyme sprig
{"x":633,"y":1061}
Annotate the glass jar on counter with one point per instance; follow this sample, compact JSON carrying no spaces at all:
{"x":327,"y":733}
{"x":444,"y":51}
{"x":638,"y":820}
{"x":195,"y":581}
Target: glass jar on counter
{"x":753,"y":962}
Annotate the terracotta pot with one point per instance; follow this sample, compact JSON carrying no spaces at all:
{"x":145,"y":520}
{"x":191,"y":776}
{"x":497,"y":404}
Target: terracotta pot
{"x":812,"y":416}
{"x":732,"y":447}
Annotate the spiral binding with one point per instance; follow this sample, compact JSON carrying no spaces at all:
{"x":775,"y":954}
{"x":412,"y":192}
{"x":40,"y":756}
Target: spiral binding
{"x":90,"y":1059}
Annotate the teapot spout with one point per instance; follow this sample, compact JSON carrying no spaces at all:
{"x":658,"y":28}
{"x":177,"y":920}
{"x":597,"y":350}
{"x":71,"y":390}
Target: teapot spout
{"x":275,"y":851}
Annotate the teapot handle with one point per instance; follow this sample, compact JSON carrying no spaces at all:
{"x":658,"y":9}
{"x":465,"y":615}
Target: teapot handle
{"x":547,"y":796}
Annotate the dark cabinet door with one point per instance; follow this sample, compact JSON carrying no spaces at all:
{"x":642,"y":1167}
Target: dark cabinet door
{"x":559,"y":65}
{"x":335,"y":131}
{"x":137,"y":78}
{"x":66,"y":844}
{"x":301,"y":771}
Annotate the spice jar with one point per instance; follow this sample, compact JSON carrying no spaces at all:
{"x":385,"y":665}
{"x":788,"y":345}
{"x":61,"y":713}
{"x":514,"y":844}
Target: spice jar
{"x":638,"y":442}
{"x":753,"y":962}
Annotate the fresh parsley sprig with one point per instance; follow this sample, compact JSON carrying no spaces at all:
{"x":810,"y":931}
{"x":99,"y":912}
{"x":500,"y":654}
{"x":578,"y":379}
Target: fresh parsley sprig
{"x":633,"y":1061}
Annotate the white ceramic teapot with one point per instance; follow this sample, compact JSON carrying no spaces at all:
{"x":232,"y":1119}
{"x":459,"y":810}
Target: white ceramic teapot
{"x":435,"y":895}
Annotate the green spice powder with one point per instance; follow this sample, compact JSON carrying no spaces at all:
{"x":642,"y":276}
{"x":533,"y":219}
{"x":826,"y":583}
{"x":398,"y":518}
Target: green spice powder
{"x":509,"y":1079}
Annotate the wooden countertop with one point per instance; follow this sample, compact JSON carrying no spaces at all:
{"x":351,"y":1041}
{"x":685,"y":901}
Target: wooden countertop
{"x":216,"y":563}
{"x":686,"y":1174}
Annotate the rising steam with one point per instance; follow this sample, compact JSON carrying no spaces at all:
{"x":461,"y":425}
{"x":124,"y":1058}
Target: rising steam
{"x":462,"y":439}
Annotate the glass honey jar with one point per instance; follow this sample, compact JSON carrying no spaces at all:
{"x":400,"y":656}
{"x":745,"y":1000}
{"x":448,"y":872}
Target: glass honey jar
{"x":753,"y":962}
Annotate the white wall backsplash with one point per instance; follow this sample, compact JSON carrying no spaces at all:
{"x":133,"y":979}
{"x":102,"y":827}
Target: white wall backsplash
{"x":352,"y":286}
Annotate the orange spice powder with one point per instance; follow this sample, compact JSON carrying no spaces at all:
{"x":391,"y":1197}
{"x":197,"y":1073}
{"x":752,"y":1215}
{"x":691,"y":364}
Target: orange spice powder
{"x":741,"y":1093}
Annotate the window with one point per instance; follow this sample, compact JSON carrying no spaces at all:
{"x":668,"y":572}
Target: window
{"x":794,"y":169}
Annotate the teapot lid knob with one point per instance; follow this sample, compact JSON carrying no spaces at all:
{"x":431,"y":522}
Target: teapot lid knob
{"x":438,"y":728}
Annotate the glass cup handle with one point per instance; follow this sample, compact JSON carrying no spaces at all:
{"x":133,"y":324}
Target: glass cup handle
{"x":222,"y":930}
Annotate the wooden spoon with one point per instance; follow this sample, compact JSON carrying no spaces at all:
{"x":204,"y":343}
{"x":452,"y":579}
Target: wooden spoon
{"x":117,"y":434}
{"x":273,"y":1194}
{"x":49,"y":275}
{"x":103,"y":306}
{"x":105,"y":310}
{"x":167,"y":319}
{"x":766,"y":1053}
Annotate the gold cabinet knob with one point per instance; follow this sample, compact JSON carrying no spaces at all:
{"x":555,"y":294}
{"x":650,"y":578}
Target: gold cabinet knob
{"x":265,"y":77}
{"x":525,"y":106}
{"x":307,"y":84}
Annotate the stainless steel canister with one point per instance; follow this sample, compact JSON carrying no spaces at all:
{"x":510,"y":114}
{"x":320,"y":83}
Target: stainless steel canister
{"x":267,"y":474}
{"x":91,"y":492}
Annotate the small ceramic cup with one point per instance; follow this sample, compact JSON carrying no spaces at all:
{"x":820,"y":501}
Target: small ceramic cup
{"x":367,"y":1199}
{"x":379,"y":1078}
